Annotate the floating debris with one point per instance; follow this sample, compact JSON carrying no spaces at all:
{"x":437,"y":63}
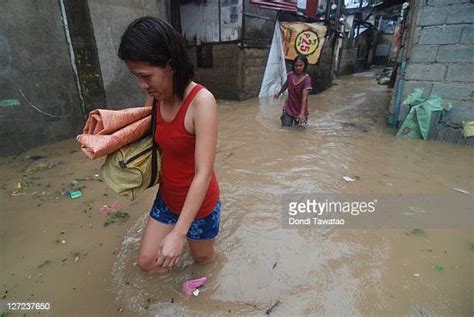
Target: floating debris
{"x":76,"y":194}
{"x":43,"y":167}
{"x":462,"y":191}
{"x":20,"y":187}
{"x":76,"y":256}
{"x":76,"y":186}
{"x":350,"y":178}
{"x":128,"y":240}
{"x":416,"y":209}
{"x":60,"y":241}
{"x":118,"y":216}
{"x":44,"y":264}
{"x":74,"y":190}
{"x":269,"y":311}
{"x":35,"y":157}
{"x":190,"y":286}
{"x":418,"y":232}
{"x":439,"y":268}
{"x":108,"y":209}
{"x":16,"y":193}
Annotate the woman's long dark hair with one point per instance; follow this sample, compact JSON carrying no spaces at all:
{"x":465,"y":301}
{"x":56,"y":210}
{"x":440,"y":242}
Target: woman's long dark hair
{"x":154,"y":41}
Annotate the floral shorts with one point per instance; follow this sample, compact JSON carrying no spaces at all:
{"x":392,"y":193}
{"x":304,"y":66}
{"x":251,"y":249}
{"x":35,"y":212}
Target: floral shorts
{"x":201,"y":229}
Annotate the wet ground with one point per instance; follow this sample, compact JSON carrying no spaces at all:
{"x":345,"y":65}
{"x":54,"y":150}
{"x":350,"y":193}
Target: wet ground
{"x":60,"y":251}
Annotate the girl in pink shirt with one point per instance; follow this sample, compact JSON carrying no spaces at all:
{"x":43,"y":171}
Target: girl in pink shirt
{"x":298,"y":84}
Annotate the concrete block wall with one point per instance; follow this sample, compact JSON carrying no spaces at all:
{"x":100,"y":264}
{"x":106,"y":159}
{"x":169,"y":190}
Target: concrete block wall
{"x":442,"y":58}
{"x":346,"y":62}
{"x":254,"y":63}
{"x":223,"y":79}
{"x":236,"y":74}
{"x":322,"y":73}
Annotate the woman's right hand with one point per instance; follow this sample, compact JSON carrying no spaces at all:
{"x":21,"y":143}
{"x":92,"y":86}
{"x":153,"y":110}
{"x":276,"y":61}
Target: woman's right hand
{"x":301,"y":119}
{"x":170,"y":250}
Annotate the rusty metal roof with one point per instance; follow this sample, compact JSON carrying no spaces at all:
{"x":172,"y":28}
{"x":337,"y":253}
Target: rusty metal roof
{"x":288,"y":5}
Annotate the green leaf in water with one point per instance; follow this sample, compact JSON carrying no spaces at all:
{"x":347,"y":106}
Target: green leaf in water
{"x":472,"y":246}
{"x":439,"y":268}
{"x":418,"y":232}
{"x":119,"y":215}
{"x":44,"y":264}
{"x":416,"y":209}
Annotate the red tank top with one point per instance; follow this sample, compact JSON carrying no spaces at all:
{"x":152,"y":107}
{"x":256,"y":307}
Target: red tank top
{"x":177,"y":168}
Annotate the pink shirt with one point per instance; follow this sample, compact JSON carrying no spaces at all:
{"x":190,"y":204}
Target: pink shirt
{"x":295,"y":94}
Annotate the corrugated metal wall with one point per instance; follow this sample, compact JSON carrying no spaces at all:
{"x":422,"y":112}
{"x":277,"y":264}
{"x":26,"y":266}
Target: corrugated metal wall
{"x":212,"y":22}
{"x":286,"y":5}
{"x":231,"y":19}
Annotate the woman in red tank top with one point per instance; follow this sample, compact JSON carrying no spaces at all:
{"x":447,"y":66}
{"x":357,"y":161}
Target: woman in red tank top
{"x":187,"y":203}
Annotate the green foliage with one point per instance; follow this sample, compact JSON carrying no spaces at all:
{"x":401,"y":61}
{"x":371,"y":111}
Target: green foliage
{"x":439,"y":268}
{"x":44,"y":264}
{"x":418,"y":232}
{"x":117,"y":216}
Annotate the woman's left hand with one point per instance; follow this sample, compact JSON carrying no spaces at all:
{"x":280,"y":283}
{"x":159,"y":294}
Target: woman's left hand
{"x":171,"y":249}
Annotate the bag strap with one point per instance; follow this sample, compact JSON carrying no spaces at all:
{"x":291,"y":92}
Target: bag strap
{"x":155,"y":147}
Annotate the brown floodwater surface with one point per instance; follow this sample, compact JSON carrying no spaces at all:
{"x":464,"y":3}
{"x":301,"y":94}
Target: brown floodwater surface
{"x":57,"y":250}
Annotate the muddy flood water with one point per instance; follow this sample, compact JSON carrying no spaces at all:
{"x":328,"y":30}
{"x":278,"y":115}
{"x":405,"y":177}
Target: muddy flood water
{"x":60,"y":251}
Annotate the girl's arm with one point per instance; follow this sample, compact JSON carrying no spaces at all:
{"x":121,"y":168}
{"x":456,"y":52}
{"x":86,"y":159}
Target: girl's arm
{"x":304,"y":105}
{"x":205,"y":129}
{"x":283,"y":88}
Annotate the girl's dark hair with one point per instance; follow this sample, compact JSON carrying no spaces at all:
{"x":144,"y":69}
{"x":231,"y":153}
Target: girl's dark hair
{"x":302,"y":58}
{"x":154,"y":41}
